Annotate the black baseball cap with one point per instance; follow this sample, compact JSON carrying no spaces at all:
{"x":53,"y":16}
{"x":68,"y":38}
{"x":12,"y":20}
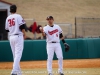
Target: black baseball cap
{"x":13,"y":8}
{"x":49,"y":17}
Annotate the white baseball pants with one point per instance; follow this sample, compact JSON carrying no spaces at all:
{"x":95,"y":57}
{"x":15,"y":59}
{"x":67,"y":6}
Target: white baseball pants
{"x":16,"y":43}
{"x":51,"y":48}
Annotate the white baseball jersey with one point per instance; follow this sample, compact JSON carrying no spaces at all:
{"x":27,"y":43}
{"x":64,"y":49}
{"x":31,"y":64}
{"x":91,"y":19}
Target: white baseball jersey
{"x":13,"y":22}
{"x":52,"y":33}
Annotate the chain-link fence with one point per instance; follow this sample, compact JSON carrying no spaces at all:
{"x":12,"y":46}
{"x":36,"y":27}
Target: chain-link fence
{"x":87,"y":27}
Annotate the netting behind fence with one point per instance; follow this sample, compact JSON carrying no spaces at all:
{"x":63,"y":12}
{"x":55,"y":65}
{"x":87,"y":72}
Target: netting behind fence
{"x":87,"y":27}
{"x":66,"y":27}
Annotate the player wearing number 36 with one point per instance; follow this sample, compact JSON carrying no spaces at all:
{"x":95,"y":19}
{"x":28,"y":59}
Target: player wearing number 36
{"x":15,"y":26}
{"x":53,"y":34}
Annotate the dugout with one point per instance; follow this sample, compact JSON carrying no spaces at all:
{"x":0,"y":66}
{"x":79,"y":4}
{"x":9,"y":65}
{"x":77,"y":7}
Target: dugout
{"x":4,"y":12}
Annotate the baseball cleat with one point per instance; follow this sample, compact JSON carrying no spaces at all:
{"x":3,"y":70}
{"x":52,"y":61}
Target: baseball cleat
{"x":50,"y":74}
{"x":13,"y":74}
{"x":61,"y":74}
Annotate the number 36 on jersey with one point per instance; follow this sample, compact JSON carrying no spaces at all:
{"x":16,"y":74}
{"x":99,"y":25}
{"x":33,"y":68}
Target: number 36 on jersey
{"x":11,"y":22}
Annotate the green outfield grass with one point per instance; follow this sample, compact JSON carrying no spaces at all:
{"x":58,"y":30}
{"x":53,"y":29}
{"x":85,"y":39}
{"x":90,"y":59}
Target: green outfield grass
{"x":67,"y":71}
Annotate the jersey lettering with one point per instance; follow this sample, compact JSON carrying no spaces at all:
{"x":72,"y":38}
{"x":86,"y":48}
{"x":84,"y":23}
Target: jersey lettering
{"x":52,"y":32}
{"x":11,"y":22}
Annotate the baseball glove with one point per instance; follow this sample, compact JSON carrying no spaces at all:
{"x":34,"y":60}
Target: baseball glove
{"x":66,"y":47}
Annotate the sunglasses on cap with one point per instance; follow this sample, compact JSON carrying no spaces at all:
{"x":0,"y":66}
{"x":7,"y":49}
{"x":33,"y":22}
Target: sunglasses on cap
{"x":49,"y":18}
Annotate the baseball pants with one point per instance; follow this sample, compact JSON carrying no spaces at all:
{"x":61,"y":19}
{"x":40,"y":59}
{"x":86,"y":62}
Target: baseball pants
{"x":51,"y":48}
{"x":16,"y":43}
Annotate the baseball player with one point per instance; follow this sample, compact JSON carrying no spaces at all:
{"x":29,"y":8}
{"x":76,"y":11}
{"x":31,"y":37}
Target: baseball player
{"x":53,"y":35}
{"x":15,"y":26}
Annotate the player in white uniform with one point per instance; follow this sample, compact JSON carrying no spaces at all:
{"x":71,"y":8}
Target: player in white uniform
{"x":15,"y":26}
{"x":53,"y":35}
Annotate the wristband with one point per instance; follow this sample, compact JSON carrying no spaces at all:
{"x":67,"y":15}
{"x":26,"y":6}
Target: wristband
{"x":63,"y":41}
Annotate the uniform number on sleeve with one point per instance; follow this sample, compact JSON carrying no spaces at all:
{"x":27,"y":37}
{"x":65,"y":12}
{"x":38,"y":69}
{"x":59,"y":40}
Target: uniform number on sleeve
{"x":11,"y":22}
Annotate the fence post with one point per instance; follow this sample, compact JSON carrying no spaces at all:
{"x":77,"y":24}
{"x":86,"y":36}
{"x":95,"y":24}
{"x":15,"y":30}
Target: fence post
{"x":75,"y":29}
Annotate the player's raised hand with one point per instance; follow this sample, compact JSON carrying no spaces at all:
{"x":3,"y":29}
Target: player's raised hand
{"x":41,"y":29}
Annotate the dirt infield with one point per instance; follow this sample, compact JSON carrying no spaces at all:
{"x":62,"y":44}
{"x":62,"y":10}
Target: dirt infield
{"x":77,"y":63}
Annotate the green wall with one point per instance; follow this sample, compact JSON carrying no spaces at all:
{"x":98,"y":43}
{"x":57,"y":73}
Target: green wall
{"x":36,"y":49}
